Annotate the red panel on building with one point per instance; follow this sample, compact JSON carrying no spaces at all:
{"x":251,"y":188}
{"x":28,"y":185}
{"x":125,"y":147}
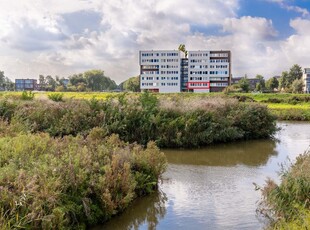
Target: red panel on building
{"x":202,"y":85}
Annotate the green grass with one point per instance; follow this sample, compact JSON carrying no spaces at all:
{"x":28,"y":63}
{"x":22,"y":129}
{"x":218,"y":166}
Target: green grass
{"x":265,"y":96}
{"x":283,"y":105}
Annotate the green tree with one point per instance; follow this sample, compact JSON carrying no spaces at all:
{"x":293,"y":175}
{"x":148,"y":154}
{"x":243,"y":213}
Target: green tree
{"x":75,"y":79}
{"x":244,"y":84}
{"x":81,"y":87}
{"x":2,"y":80}
{"x":283,"y":81}
{"x":93,"y":80}
{"x":60,"y":88}
{"x":9,"y":85}
{"x":182,"y":48}
{"x":287,"y":78}
{"x":5,"y":82}
{"x":297,"y":86}
{"x":294,"y":73}
{"x":272,"y":83}
{"x":51,"y":83}
{"x":132,"y":84}
{"x":42,"y":82}
{"x":261,"y":84}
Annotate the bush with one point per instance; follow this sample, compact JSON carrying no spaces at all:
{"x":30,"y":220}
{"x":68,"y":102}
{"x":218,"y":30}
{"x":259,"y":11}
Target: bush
{"x":27,"y":95}
{"x":7,"y":109}
{"x":273,"y":100}
{"x":70,"y":183}
{"x":288,"y":204}
{"x":56,"y":96}
{"x":170,"y":122}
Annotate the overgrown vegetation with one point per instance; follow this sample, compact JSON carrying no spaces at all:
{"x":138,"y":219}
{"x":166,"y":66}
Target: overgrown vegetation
{"x":288,"y":204}
{"x":27,"y":95}
{"x":56,"y":96}
{"x":69,"y":165}
{"x":173,"y":121}
{"x":283,"y":105}
{"x":71,"y":182}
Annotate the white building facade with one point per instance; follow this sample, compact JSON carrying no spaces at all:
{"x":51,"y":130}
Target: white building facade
{"x":160,"y":71}
{"x":168,"y":72}
{"x":306,"y":78}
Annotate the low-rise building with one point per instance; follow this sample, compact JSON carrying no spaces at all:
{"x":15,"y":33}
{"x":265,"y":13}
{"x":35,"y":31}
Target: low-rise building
{"x":25,"y":84}
{"x":252,"y":81}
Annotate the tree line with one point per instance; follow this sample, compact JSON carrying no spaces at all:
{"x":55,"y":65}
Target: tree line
{"x":95,"y":80}
{"x":91,"y":80}
{"x":5,"y":83}
{"x":290,"y":82}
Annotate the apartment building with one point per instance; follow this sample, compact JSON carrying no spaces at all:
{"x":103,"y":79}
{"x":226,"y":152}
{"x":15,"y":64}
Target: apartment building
{"x":25,"y":84}
{"x":160,"y":71}
{"x":168,"y":71}
{"x":306,"y":78}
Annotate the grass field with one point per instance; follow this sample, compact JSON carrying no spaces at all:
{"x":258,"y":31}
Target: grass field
{"x":284,"y":105}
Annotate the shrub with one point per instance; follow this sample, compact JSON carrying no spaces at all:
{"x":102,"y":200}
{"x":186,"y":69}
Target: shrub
{"x":56,"y":96}
{"x":273,"y":100}
{"x":7,"y":109}
{"x":288,"y":204}
{"x":170,"y":122}
{"x":27,"y":95}
{"x":73,"y":182}
{"x":254,"y":121}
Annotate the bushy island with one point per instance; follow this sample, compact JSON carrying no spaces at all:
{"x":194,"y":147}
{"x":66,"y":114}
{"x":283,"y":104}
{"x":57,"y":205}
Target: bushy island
{"x":73,"y":163}
{"x":170,"y":121}
{"x":288,"y":204}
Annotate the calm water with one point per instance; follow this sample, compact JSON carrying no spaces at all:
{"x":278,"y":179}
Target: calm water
{"x":212,"y":188}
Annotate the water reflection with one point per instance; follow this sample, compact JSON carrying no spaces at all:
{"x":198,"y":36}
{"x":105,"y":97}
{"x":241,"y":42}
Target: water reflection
{"x":251,"y":153}
{"x":212,"y":187}
{"x":146,"y":211}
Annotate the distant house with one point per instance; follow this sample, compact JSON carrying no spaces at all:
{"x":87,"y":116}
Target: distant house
{"x":25,"y":84}
{"x":252,"y":81}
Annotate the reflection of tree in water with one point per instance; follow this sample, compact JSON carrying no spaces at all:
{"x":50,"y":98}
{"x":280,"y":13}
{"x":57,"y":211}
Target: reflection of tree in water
{"x":146,"y":210}
{"x":251,"y":153}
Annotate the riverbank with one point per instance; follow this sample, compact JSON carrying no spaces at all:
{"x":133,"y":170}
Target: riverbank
{"x":287,"y":204}
{"x":71,"y":182}
{"x":212,"y":187}
{"x":69,"y":163}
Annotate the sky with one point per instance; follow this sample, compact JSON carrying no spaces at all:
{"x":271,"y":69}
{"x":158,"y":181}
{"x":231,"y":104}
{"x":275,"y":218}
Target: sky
{"x":67,"y":37}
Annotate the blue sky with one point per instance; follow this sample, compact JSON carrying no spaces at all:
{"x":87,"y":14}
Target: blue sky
{"x":265,"y":36}
{"x":279,"y":15}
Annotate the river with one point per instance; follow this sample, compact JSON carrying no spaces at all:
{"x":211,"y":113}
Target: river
{"x":212,"y":187}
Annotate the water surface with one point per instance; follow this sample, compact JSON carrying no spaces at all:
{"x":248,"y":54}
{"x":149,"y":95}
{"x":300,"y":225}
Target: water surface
{"x":212,"y":188}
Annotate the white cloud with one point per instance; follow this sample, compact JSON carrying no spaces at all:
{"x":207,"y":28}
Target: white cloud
{"x":286,"y":5}
{"x":69,"y":38}
{"x":301,"y":26}
{"x":297,"y":47}
{"x":257,"y":28}
{"x":98,"y":34}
